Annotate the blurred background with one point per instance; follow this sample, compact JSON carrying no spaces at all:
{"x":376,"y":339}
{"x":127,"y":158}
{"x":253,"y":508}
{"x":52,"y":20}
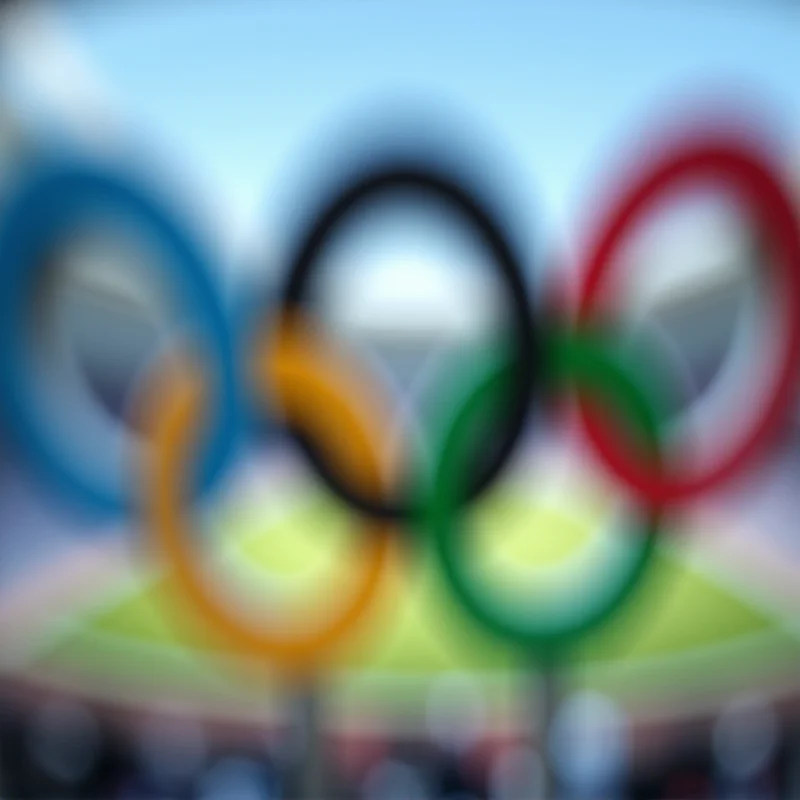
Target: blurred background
{"x":240,"y":116}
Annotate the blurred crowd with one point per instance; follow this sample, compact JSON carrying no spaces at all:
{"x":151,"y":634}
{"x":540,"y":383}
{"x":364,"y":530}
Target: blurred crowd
{"x":62,"y":749}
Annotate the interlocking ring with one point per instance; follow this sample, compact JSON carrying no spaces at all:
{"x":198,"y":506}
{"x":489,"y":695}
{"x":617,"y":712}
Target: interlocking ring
{"x":49,"y":206}
{"x":413,"y":177}
{"x":315,"y":395}
{"x":720,"y":158}
{"x":573,"y":362}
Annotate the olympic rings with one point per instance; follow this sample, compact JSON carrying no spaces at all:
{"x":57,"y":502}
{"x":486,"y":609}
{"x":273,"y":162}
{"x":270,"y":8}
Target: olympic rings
{"x":338,"y":418}
{"x":305,"y":385}
{"x":571,"y":360}
{"x":737,"y":163}
{"x":48,"y":207}
{"x":407,"y":177}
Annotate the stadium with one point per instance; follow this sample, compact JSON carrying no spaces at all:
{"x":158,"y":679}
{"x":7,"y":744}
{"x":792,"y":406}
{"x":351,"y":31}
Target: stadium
{"x":111,"y":687}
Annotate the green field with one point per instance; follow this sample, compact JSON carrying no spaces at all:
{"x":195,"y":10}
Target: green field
{"x":685,"y":632}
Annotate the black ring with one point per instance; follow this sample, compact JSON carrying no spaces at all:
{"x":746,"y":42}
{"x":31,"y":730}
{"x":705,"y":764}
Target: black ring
{"x":413,"y":177}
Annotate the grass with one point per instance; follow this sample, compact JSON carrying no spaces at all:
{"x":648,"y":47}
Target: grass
{"x":681,"y":625}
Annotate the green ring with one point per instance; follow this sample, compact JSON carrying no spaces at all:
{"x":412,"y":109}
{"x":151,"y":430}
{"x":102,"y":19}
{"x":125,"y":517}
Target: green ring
{"x":573,"y":360}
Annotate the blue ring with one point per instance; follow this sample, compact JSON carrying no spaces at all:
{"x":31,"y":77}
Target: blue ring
{"x":248,"y":316}
{"x":45,"y":208}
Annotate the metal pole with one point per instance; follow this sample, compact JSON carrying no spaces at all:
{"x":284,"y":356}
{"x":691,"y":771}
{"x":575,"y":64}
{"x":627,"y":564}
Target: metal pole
{"x":547,"y":700}
{"x":310,"y":754}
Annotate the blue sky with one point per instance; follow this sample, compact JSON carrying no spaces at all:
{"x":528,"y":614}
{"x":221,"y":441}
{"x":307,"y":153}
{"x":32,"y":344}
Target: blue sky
{"x":240,"y":94}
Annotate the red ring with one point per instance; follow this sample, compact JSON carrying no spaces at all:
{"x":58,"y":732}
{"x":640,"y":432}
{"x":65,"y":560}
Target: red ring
{"x":736,"y":162}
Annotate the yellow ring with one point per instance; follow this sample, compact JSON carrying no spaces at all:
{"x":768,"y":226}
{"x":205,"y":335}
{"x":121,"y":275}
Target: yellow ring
{"x":316,"y":390}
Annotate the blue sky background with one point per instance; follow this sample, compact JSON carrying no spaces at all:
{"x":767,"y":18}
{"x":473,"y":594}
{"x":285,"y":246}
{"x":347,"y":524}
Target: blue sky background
{"x":239,"y":94}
